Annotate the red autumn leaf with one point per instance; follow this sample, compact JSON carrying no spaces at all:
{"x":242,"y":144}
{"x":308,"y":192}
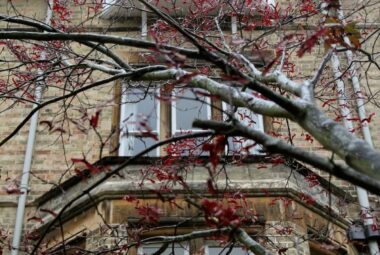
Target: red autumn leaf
{"x":150,"y":214}
{"x":309,"y":138}
{"x":95,"y":119}
{"x":310,"y":42}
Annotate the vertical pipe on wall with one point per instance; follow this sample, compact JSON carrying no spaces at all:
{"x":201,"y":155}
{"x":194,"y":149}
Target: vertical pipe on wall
{"x":24,"y":184}
{"x":345,"y":112}
{"x":361,"y":193}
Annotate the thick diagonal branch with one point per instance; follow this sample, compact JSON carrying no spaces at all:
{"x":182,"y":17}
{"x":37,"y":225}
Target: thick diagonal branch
{"x":279,"y":146}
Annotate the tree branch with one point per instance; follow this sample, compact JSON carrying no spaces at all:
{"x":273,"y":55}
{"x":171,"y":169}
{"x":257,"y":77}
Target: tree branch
{"x":279,"y":146}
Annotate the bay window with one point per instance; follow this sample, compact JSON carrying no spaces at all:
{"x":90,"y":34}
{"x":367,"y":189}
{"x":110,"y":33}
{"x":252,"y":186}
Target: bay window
{"x":141,"y":120}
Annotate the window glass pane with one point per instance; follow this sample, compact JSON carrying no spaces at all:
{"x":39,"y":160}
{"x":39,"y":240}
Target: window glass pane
{"x":190,"y":146}
{"x":178,"y":250}
{"x":189,"y":106}
{"x":247,"y":117}
{"x":240,"y":145}
{"x":137,"y":144}
{"x":141,"y":107}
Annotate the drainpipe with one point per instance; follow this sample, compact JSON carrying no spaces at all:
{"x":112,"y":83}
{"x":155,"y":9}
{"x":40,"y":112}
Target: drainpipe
{"x":362,"y":193}
{"x":17,"y":233}
{"x":345,"y":112}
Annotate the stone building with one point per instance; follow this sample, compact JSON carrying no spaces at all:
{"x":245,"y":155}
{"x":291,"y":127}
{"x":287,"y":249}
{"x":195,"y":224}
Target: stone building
{"x":292,"y":208}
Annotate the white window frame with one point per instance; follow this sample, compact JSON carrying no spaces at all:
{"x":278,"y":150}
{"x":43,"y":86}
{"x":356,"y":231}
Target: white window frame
{"x":125,"y":113}
{"x":254,"y":150}
{"x":176,"y":131}
{"x":185,"y":245}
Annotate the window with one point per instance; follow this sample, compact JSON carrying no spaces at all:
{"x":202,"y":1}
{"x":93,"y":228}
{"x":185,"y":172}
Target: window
{"x":172,"y":249}
{"x":140,"y":122}
{"x":139,"y":127}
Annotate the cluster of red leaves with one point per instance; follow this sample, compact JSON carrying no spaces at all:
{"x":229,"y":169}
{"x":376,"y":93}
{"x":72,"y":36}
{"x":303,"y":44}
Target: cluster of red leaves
{"x":150,"y":214}
{"x":284,"y":230}
{"x":312,"y":179}
{"x":218,"y":214}
{"x":162,"y":32}
{"x":308,"y":7}
{"x":311,"y":42}
{"x":308,"y":138}
{"x":62,"y":12}
{"x":307,"y":198}
{"x":331,"y":35}
{"x":215,"y":148}
{"x":165,"y":173}
{"x":189,"y":147}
